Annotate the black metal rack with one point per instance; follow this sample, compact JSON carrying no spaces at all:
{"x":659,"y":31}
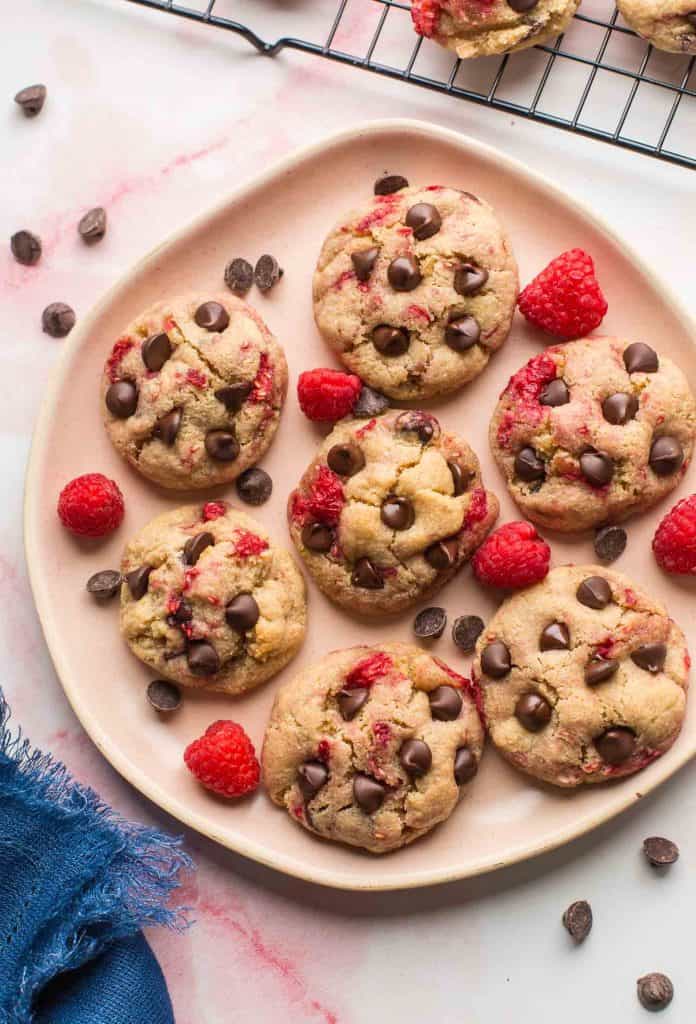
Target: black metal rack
{"x":599,"y":79}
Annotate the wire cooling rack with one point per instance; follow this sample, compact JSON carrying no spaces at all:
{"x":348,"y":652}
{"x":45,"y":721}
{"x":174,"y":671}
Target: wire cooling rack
{"x":598,"y":79}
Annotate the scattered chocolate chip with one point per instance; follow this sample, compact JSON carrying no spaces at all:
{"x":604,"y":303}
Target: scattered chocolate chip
{"x":598,"y":670}
{"x":156,"y":351}
{"x":397,"y":513}
{"x":58,"y":319}
{"x":655,"y":991}
{"x":594,"y":592}
{"x":368,"y":793}
{"x":365,"y":575}
{"x":363,"y":262}
{"x":460,"y":479}
{"x":105,"y":584}
{"x":138,"y":580}
{"x":468,"y":278}
{"x":650,"y":657}
{"x":619,"y":408}
{"x":666,"y":456}
{"x":597,"y":468}
{"x":267,"y":272}
{"x":404,"y":274}
{"x":31,"y":99}
{"x":616,"y":745}
{"x":163,"y":695}
{"x":167,"y":427}
{"x":221,"y":445}
{"x":578,"y":920}
{"x":466,"y":631}
{"x":465,"y":766}
{"x":239,"y":276}
{"x":311,"y":776}
{"x":92,"y":227}
{"x":445,"y":703}
{"x":495,"y":660}
{"x":610,"y":543}
{"x":528,"y":465}
{"x":442,"y":554}
{"x":555,"y":637}
{"x":370,"y":403}
{"x":196,"y":545}
{"x":254,"y":486}
{"x":660,"y":852}
{"x":317,"y":537}
{"x":533,"y":711}
{"x":212,"y":316}
{"x":424,"y":219}
{"x":391,"y":341}
{"x":233,"y":396}
{"x":202,"y":658}
{"x":345,"y":459}
{"x":122,"y":399}
{"x":520,"y":6}
{"x":640,"y":358}
{"x":242,"y":613}
{"x":390,"y":183}
{"x":26,"y":248}
{"x":183,"y":614}
{"x":429,"y":624}
{"x":555,"y":393}
{"x":416,"y":758}
{"x":422,"y":424}
{"x":462,"y":332}
{"x":350,"y":702}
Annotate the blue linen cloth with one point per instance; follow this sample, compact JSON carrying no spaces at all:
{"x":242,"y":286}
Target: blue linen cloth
{"x":76,"y":885}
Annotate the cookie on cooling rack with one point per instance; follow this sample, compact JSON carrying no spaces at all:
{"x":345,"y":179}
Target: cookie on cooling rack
{"x":667,"y":24}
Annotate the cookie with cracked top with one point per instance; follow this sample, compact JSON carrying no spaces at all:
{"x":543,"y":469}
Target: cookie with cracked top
{"x":667,"y":24}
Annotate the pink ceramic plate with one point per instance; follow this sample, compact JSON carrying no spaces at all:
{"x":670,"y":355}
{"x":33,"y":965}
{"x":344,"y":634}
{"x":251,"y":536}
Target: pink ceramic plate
{"x":287,"y":212}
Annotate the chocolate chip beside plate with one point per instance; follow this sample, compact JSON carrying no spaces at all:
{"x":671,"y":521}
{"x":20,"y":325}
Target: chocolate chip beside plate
{"x":594,"y":592}
{"x":239,"y":276}
{"x":221,"y":445}
{"x":390,"y":183}
{"x":31,"y":99}
{"x":105,"y":584}
{"x":578,"y":920}
{"x":424,"y":220}
{"x":212,"y":316}
{"x":655,"y":991}
{"x":26,"y":248}
{"x":495,"y":660}
{"x":92,"y":226}
{"x":610,"y":543}
{"x":466,"y":631}
{"x":368,"y":793}
{"x":445,"y":703}
{"x":370,"y":403}
{"x":390,"y":341}
{"x":267,"y":272}
{"x":254,"y":486}
{"x":242,"y":613}
{"x":660,"y":852}
{"x":429,"y":624}
{"x":163,"y":695}
{"x":640,"y":358}
{"x":196,"y":545}
{"x":58,"y":319}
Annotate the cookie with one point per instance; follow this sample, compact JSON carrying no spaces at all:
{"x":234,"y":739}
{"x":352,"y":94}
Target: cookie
{"x":388,"y":511}
{"x":209,"y":601}
{"x":491,"y":26}
{"x":372,"y":746}
{"x":192,"y":391}
{"x":584,"y":677}
{"x":416,"y":289}
{"x":667,"y":24}
{"x":590,"y":432}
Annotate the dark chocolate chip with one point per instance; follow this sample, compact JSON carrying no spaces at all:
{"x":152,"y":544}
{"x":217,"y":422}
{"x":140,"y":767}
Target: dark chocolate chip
{"x":468,"y":278}
{"x":195,"y":546}
{"x":660,"y":852}
{"x":203,"y":659}
{"x":460,"y":478}
{"x":610,"y":542}
{"x":429,"y":624}
{"x":521,"y":6}
{"x":26,"y":248}
{"x":655,"y":991}
{"x":233,"y":396}
{"x":462,"y":332}
{"x":138,"y":580}
{"x":416,"y":758}
{"x":317,"y":537}
{"x":350,"y":702}
{"x":363,"y":262}
{"x":239,"y":275}
{"x":365,"y":575}
{"x":92,"y":226}
{"x":422,"y":424}
{"x":442,"y":554}
{"x":242,"y":613}
{"x":533,"y":711}
{"x":616,"y":745}
{"x":390,"y":183}
{"x":619,"y":408}
{"x":370,"y":403}
{"x":368,"y":793}
{"x":594,"y":592}
{"x":404,"y":274}
{"x":31,"y":99}
{"x":466,"y":631}
{"x":578,"y":920}
{"x":167,"y":427}
{"x":445,"y":703}
{"x":650,"y":657}
{"x":495,"y":660}
{"x":58,"y":319}
{"x":105,"y":584}
{"x":556,"y":637}
{"x":254,"y":486}
{"x":391,"y":341}
{"x":465,"y":766}
{"x":598,"y":670}
{"x":156,"y":351}
{"x":171,"y":655}
{"x":397,"y":513}
{"x":666,"y":456}
{"x":528,"y":465}
{"x":221,"y":445}
{"x":164,"y":696}
{"x":267,"y":272}
{"x":311,"y":776}
{"x":183,"y":614}
{"x":122,"y":399}
{"x":345,"y":459}
{"x":212,"y":316}
{"x":555,"y":393}
{"x":691,"y":18}
{"x":424,"y":219}
{"x":640,"y":358}
{"x":597,"y":468}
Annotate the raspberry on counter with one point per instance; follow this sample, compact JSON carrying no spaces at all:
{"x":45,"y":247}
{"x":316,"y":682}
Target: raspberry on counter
{"x":327,"y":395}
{"x":674,"y":544}
{"x":91,"y":505}
{"x":565,"y":299}
{"x":224,"y":760}
{"x":512,"y":557}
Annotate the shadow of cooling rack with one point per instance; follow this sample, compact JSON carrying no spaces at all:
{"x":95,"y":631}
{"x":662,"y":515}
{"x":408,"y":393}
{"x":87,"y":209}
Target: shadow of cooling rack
{"x":598,"y":79}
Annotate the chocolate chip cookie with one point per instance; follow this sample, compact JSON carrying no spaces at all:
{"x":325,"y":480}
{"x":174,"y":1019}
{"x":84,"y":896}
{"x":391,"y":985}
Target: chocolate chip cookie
{"x":416,"y":289}
{"x":209,"y":601}
{"x":584,"y":677}
{"x":192,"y":391}
{"x":667,"y":24}
{"x":589,"y":432}
{"x":372,"y":746}
{"x":389,"y":510}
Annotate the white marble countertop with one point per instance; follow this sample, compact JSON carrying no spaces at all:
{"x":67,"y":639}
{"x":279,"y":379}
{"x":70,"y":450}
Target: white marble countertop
{"x":155,"y":118}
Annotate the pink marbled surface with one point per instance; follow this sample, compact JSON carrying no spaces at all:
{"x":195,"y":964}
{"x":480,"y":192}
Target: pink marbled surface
{"x":155,"y":118}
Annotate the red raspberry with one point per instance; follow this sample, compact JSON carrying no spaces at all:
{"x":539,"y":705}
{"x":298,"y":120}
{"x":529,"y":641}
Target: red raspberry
{"x":425,"y":15}
{"x":327,"y":395}
{"x":223,"y":759}
{"x":513,"y":556}
{"x":674,"y":543}
{"x":565,"y":299}
{"x":91,"y":505}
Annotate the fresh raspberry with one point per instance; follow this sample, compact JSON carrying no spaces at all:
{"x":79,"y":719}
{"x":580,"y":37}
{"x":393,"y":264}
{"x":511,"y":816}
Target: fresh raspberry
{"x":327,"y":395}
{"x":91,"y":505}
{"x":565,"y":299}
{"x":425,"y":15}
{"x":223,"y":759}
{"x":513,"y":556}
{"x":674,"y":543}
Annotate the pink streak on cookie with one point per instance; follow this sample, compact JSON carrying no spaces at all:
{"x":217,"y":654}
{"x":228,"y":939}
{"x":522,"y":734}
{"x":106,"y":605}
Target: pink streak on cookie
{"x":213,"y":510}
{"x":262,"y":387}
{"x":198,"y":379}
{"x":478,"y":507}
{"x":118,"y":354}
{"x":248,"y":544}
{"x":368,"y":671}
{"x":523,"y":390}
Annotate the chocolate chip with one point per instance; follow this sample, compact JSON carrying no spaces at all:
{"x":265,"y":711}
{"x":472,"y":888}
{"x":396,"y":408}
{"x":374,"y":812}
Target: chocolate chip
{"x":138,"y":580}
{"x":521,"y":6}
{"x":495,"y":660}
{"x":242,"y":613}
{"x":350,"y":702}
{"x":365,"y":575}
{"x":424,"y":219}
{"x":254,"y":486}
{"x":578,"y":920}
{"x":239,"y":276}
{"x":167,"y":427}
{"x":195,"y":546}
{"x":465,"y":766}
{"x":619,"y":408}
{"x":182,"y":614}
{"x":212,"y":316}
{"x":594,"y":592}
{"x":122,"y":399}
{"x":105,"y":584}
{"x":163,"y":695}
{"x":345,"y":459}
{"x":92,"y":227}
{"x":655,"y":991}
{"x":368,"y":793}
{"x":660,"y":852}
{"x":460,"y":479}
{"x":422,"y":424}
{"x":442,"y":554}
{"x":468,"y":278}
{"x":462,"y":332}
{"x":528,"y":465}
{"x":317,"y":537}
{"x":390,"y":183}
{"x":202,"y":658}
{"x":597,"y":468}
{"x":370,"y":403}
{"x":666,"y":456}
{"x":221,"y":445}
{"x":650,"y":657}
{"x":598,"y":670}
{"x":267,"y":272}
{"x":445,"y":703}
{"x":363,"y":262}
{"x":616,"y":745}
{"x":26,"y":248}
{"x":555,"y":637}
{"x":156,"y":351}
{"x":610,"y":542}
{"x":397,"y":513}
{"x":31,"y":99}
{"x":233,"y":396}
{"x":311,"y":776}
{"x":466,"y":631}
{"x":640,"y":358}
{"x":404,"y":274}
{"x":429,"y":624}
{"x":555,"y":393}
{"x":58,"y":319}
{"x":533,"y":711}
{"x":416,"y":758}
{"x":691,"y":18}
{"x":390,"y":341}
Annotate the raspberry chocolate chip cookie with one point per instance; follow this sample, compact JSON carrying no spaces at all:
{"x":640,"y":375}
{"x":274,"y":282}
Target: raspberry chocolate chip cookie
{"x":590,"y":432}
{"x":389,"y":510}
{"x":416,"y":290}
{"x":193,"y":389}
{"x":584,"y":677}
{"x":667,"y":24}
{"x":479,"y":28}
{"x":373,"y":746}
{"x":209,"y":601}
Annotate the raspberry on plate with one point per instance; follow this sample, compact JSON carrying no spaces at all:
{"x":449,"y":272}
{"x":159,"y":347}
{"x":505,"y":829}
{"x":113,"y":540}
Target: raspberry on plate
{"x":223,"y":760}
{"x":674,"y":543}
{"x":513,"y":556}
{"x":327,"y":395}
{"x":91,"y":505}
{"x":565,"y":299}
